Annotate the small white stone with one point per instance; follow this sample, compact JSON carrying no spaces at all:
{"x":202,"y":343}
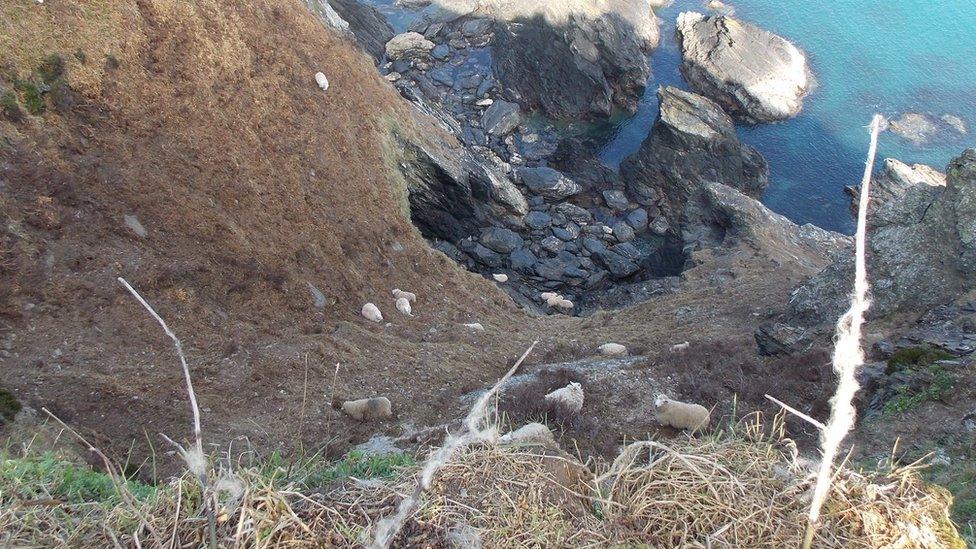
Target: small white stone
{"x":500,"y":277}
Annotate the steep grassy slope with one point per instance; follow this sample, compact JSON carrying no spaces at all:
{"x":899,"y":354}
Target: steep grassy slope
{"x":202,"y":121}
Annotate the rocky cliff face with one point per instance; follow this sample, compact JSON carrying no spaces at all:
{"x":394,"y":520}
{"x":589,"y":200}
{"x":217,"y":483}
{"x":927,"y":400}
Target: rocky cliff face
{"x":921,"y":245}
{"x":574,"y":60}
{"x":692,"y":141}
{"x":754,"y":74}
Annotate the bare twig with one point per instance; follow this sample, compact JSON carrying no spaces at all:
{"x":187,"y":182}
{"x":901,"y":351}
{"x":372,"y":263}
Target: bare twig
{"x":798,"y":413}
{"x":197,"y":460}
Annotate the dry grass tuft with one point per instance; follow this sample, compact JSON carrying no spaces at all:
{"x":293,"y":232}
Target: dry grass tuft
{"x":744,"y":487}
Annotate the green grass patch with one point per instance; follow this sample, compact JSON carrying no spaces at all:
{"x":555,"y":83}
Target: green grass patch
{"x":316,"y":472}
{"x":9,"y":106}
{"x":9,"y":406}
{"x":907,"y":399}
{"x":915,"y":359}
{"x":46,"y":476}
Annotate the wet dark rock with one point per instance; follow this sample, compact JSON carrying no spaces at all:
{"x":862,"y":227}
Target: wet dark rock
{"x":570,"y":232}
{"x":619,"y":266}
{"x":440,"y":52}
{"x":501,"y":118}
{"x":366,"y":23}
{"x":623,"y":232}
{"x":692,"y":141}
{"x":481,"y":254}
{"x":538,"y":220}
{"x":569,"y":64}
{"x":501,"y":240}
{"x":551,"y":244}
{"x":548,"y":182}
{"x":616,"y":199}
{"x":523,"y":260}
{"x":573,"y":212}
{"x":637,"y":219}
{"x":776,"y":338}
{"x":627,"y":250}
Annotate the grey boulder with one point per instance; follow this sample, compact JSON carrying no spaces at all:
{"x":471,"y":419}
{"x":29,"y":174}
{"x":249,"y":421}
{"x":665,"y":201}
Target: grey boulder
{"x":548,"y":183}
{"x":754,"y":74}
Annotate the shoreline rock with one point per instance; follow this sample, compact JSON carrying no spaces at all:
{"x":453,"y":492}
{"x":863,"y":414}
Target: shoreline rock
{"x":752,"y":73}
{"x":691,"y":141}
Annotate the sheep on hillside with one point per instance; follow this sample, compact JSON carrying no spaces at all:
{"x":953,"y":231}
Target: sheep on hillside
{"x":368,"y":408}
{"x":568,"y":400}
{"x":680,"y":415}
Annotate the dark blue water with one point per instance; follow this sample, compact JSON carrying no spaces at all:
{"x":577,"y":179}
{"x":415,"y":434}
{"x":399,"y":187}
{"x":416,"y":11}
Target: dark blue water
{"x":868,"y":56}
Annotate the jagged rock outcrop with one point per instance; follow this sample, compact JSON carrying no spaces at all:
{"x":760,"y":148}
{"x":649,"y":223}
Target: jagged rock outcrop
{"x":366,"y":23}
{"x":408,"y":45}
{"x":692,"y":140}
{"x":573,"y":59}
{"x":754,"y":74}
{"x":894,"y":180}
{"x":453,"y":193}
{"x":719,"y":216}
{"x":921,"y":245}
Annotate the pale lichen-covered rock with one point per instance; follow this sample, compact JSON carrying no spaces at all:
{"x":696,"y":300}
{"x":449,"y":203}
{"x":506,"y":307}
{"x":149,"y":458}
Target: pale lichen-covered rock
{"x":407,"y":45}
{"x":754,"y":74}
{"x":921,"y":245}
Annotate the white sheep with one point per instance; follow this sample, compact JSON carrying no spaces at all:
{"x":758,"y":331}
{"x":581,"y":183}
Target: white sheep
{"x":398,"y":293}
{"x":564,"y":304}
{"x":322,"y":81}
{"x":372,"y":312}
{"x":403,"y":305}
{"x":530,"y":433}
{"x":546,"y":296}
{"x":553,"y":300}
{"x":680,"y":347}
{"x":612,"y":349}
{"x":476,"y":326}
{"x":680,"y":415}
{"x":368,"y":408}
{"x":569,"y":398}
{"x":500,"y":277}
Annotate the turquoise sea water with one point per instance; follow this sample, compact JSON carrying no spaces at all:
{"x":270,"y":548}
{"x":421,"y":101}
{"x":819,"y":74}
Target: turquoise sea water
{"x":868,"y":56}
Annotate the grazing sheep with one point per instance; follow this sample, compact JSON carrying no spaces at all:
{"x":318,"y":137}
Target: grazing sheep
{"x":372,"y":312}
{"x":612,"y":349}
{"x":546,"y":296}
{"x":398,"y":293}
{"x":500,"y":277}
{"x":322,"y":81}
{"x":368,"y":408}
{"x":553,"y":300}
{"x":680,"y":347}
{"x":680,"y":415}
{"x":403,"y":305}
{"x":568,"y":400}
{"x":530,"y":433}
{"x":564,"y":304}
{"x":476,"y":326}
